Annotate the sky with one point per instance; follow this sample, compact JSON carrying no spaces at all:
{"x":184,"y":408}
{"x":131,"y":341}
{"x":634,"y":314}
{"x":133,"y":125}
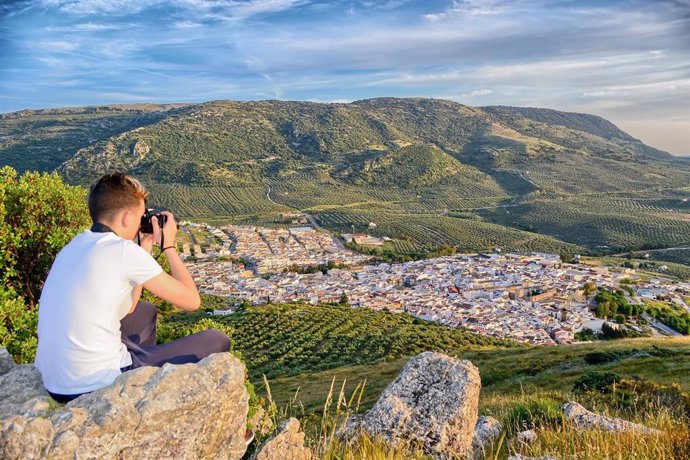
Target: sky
{"x":626,"y":60}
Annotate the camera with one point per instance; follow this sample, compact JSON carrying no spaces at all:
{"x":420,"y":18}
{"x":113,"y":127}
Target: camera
{"x":146,"y":225}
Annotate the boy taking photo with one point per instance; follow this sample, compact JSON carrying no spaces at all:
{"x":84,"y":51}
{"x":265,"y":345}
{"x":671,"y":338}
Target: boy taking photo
{"x":91,"y":325}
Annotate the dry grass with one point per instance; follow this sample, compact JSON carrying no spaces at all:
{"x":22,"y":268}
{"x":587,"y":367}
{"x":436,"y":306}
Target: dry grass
{"x":565,"y":442}
{"x":555,"y":437}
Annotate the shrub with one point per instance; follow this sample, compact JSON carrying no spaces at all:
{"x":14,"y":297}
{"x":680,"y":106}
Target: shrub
{"x":39,"y":214}
{"x":600,"y":357}
{"x":599,"y":381}
{"x":586,"y":335}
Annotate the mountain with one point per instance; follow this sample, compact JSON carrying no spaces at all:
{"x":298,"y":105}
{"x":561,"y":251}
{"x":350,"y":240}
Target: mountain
{"x":425,"y":171}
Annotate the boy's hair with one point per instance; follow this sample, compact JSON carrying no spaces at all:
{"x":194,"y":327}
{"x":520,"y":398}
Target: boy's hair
{"x":114,"y":192}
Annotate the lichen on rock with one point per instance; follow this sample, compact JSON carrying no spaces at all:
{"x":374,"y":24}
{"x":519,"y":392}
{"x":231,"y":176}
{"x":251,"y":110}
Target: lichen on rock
{"x":175,"y":411}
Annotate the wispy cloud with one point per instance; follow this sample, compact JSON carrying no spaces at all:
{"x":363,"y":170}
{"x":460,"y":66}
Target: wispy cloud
{"x":627,"y":60}
{"x":461,"y":8}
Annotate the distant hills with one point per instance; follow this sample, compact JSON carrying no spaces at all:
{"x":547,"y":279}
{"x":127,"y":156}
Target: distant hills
{"x":428,"y":172}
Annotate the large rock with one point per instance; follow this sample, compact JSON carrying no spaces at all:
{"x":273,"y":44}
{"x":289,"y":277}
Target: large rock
{"x":432,"y":404}
{"x":287,"y":444}
{"x":175,"y":411}
{"x":487,"y":430}
{"x":22,"y":392}
{"x":6,"y":361}
{"x":581,"y":418}
{"x":527,"y":436}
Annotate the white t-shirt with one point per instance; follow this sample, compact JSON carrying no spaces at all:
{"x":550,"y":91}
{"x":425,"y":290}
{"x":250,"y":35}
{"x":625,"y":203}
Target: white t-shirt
{"x":88,"y":291}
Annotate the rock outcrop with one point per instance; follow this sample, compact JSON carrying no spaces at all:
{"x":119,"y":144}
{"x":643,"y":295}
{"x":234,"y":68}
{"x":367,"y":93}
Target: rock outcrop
{"x":6,"y":361}
{"x":487,"y":430}
{"x":581,"y":418}
{"x":22,"y":392}
{"x":432,"y":404}
{"x":175,"y":411}
{"x":286,"y":444}
{"x":527,"y":436}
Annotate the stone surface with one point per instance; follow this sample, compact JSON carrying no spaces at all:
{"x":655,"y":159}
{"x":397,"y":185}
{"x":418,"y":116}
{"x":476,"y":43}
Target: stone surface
{"x":487,"y":430}
{"x":581,"y":418}
{"x":22,"y":392}
{"x":432,"y":404}
{"x":527,"y":436}
{"x":286,"y":444}
{"x":6,"y":361}
{"x":184,"y":411}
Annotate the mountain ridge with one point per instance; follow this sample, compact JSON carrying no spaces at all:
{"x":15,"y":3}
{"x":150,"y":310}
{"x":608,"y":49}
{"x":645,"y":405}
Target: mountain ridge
{"x":393,"y":160}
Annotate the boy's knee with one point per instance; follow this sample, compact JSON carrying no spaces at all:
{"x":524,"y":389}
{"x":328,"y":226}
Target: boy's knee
{"x":148,"y":308}
{"x":217,"y":340}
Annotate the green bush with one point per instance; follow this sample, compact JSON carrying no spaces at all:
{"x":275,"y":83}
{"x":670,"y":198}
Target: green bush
{"x":600,"y":357}
{"x":39,"y":214}
{"x":599,"y":381}
{"x":586,"y":335}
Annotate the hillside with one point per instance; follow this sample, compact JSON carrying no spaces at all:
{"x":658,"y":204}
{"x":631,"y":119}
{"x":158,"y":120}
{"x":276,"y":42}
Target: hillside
{"x":288,"y":339}
{"x":428,"y":171}
{"x":313,"y":356}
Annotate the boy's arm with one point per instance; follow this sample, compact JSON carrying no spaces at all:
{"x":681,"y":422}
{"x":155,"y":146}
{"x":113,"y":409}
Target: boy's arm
{"x":178,"y":289}
{"x":136,"y":295}
{"x":146,"y":242}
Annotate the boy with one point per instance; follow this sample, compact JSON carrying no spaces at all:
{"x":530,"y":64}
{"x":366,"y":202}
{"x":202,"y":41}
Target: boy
{"x":91,"y":325}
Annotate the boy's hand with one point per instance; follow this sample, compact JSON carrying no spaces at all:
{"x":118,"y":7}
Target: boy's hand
{"x":169,"y":230}
{"x":146,"y":241}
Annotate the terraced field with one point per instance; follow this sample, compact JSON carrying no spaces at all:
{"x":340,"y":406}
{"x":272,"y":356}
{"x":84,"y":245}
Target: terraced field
{"x":600,"y":222}
{"x":465,"y":234}
{"x":288,"y":339}
{"x":193,"y":202}
{"x":673,"y":256}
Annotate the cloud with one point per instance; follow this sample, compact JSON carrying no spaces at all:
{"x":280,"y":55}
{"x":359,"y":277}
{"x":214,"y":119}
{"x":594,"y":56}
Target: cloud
{"x":462,"y":8}
{"x":96,"y":7}
{"x":618,"y":59}
{"x":57,"y":46}
{"x":478,"y":92}
{"x":210,"y":9}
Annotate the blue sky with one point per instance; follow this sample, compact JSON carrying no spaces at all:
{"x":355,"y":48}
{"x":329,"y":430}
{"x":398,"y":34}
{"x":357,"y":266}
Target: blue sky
{"x":626,"y":60}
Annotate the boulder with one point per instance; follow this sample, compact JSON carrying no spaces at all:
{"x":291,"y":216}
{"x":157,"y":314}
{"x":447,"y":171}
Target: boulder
{"x":527,"y":436}
{"x":581,"y":418}
{"x":286,"y":444}
{"x":487,"y":430}
{"x":22,"y":392}
{"x":6,"y":361}
{"x":181,"y":411}
{"x":431,"y":404}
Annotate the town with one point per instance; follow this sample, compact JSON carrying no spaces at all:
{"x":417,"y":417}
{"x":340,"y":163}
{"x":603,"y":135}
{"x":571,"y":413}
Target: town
{"x":533,"y":298}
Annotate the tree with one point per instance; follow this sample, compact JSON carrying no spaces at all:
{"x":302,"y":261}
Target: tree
{"x":344,"y":300}
{"x":39,"y":215}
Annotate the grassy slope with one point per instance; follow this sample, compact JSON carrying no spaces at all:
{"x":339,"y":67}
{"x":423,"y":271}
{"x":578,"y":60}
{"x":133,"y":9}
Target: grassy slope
{"x":507,"y":373}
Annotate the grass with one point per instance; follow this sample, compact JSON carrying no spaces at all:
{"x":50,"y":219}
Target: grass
{"x":510,"y":372}
{"x":539,"y":410}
